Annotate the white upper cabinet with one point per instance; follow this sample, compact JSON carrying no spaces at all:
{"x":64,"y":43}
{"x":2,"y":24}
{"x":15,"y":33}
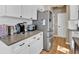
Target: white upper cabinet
{"x":24,"y":11}
{"x":29,"y":12}
{"x":2,"y":10}
{"x":13,"y":10}
{"x":73,"y":12}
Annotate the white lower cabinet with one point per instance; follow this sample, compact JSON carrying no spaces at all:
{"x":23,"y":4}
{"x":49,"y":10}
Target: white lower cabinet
{"x":20,"y":48}
{"x":36,"y":47}
{"x":25,"y":49}
{"x":31,"y":45}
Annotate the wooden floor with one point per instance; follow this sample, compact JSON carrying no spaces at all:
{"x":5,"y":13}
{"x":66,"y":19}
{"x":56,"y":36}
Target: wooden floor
{"x":59,"y":46}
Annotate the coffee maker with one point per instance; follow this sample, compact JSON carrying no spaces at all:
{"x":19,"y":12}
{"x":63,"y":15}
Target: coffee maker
{"x":20,"y":28}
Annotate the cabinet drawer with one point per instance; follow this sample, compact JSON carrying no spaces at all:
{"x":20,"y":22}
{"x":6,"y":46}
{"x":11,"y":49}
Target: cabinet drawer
{"x":35,"y":37}
{"x":18,"y":47}
{"x":40,"y":34}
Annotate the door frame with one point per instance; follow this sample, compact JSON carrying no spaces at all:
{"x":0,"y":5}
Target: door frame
{"x":56,"y":34}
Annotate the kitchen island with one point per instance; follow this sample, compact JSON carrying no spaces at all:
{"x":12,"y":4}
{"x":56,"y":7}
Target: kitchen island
{"x":28,"y":43}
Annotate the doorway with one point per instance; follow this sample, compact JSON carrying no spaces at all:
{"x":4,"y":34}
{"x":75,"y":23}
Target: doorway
{"x":61,"y":25}
{"x":60,"y":21}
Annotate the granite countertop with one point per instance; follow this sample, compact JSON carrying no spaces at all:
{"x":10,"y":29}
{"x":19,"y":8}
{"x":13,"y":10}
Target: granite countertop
{"x":76,"y":39}
{"x":9,"y":40}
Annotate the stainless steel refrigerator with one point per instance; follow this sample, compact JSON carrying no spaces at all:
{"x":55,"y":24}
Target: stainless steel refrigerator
{"x":45,"y":24}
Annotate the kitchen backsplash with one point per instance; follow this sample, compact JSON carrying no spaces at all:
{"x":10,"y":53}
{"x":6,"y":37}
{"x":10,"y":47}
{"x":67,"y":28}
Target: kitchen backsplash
{"x":6,"y":22}
{"x":13,"y":21}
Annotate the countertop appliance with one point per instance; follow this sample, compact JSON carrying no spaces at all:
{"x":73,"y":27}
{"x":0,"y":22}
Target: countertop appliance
{"x":3,"y":30}
{"x":25,"y":24}
{"x":31,"y":27}
{"x":10,"y":30}
{"x":20,"y":28}
{"x":45,"y":23}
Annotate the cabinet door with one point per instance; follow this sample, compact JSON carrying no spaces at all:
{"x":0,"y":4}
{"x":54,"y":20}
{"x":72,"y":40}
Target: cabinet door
{"x":34,"y":12}
{"x":74,"y":12}
{"x":2,"y":10}
{"x":29,"y":12}
{"x":13,"y":10}
{"x":40,"y":42}
{"x":25,"y":49}
{"x":36,"y":46}
{"x":20,"y":47}
{"x":26,"y":11}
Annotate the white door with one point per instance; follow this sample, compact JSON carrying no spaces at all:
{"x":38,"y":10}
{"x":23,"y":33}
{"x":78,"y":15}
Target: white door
{"x":62,"y":28}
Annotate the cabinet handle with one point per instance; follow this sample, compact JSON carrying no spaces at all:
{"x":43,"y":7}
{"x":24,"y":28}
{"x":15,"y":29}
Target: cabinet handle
{"x":22,"y":44}
{"x":28,"y":45}
{"x":38,"y":39}
{"x":31,"y":18}
{"x":21,"y":16}
{"x":34,"y":38}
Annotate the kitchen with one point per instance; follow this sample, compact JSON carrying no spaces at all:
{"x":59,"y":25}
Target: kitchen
{"x":18,"y":33}
{"x":30,"y":29}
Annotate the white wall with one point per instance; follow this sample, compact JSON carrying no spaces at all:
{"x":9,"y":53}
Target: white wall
{"x":13,"y":21}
